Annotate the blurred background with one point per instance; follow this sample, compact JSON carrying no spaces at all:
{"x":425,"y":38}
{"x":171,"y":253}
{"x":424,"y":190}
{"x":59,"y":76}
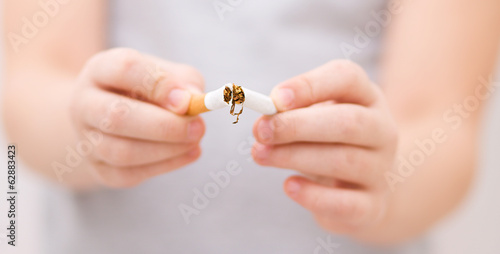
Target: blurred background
{"x":473,"y":228}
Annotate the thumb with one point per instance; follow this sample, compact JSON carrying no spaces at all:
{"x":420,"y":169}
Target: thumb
{"x":341,"y":81}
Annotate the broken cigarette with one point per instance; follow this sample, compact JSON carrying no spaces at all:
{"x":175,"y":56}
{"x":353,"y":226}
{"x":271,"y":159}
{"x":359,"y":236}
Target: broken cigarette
{"x":224,"y":97}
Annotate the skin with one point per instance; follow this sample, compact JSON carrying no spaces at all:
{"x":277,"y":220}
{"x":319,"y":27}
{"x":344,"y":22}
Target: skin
{"x":337,"y":128}
{"x":142,"y":134}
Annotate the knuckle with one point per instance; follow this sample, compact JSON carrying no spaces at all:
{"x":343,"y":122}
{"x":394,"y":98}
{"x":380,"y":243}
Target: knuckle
{"x":115,"y":118}
{"x":357,"y":119}
{"x":307,"y":84}
{"x":168,"y":129}
{"x":191,"y":73}
{"x":292,"y":123}
{"x":156,"y":87}
{"x":284,"y":126}
{"x":125,"y":59}
{"x":101,"y":150}
{"x":116,"y":153}
{"x":349,"y":124}
{"x":317,"y":203}
{"x":349,"y":71}
{"x":120,"y":154}
{"x":350,"y":158}
{"x":280,"y":122}
{"x":343,"y":162}
{"x":346,"y":208}
{"x":353,"y":165}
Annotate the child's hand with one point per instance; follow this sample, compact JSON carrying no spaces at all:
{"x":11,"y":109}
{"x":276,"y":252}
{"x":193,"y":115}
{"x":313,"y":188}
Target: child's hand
{"x":336,"y":129}
{"x":136,"y":102}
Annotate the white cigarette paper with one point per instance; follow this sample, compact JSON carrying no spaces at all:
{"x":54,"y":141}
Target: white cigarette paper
{"x":259,"y":102}
{"x":253,"y":100}
{"x":215,"y":99}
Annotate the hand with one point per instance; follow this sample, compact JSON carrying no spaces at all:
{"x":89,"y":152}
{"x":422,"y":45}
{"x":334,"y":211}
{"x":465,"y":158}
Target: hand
{"x":136,"y":102}
{"x":335,"y":128}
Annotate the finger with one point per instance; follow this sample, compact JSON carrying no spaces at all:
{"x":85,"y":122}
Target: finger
{"x":339,"y":123}
{"x":341,"y":81}
{"x":119,"y":115}
{"x":126,"y":152}
{"x":346,"y":163}
{"x":346,"y":206}
{"x":123,"y":177}
{"x":147,"y":78}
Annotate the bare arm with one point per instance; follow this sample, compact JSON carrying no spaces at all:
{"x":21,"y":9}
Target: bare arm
{"x":84,"y":115}
{"x":366,"y":175}
{"x":436,"y":53}
{"x":40,"y":76}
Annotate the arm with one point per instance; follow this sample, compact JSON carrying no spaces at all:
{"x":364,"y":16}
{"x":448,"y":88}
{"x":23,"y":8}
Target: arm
{"x":436,"y":53}
{"x":87,"y":118}
{"x":337,"y":127}
{"x":39,"y":80}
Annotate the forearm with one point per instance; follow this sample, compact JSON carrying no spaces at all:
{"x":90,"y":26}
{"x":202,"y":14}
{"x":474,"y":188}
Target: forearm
{"x":40,"y":78}
{"x":36,"y":115}
{"x":430,"y":67}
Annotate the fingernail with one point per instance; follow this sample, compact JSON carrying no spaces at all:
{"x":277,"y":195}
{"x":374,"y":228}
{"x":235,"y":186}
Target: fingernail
{"x":194,"y":130}
{"x":260,"y":152}
{"x":265,"y":131}
{"x":177,"y":99}
{"x":285,"y":98}
{"x":293,"y":188}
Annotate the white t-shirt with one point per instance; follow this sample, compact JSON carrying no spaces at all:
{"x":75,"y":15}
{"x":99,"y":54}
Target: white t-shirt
{"x":223,"y":203}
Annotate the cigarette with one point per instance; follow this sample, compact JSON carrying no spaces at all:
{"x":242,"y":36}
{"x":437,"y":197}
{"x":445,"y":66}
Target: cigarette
{"x":201,"y":103}
{"x":259,"y":102}
{"x":215,"y":100}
